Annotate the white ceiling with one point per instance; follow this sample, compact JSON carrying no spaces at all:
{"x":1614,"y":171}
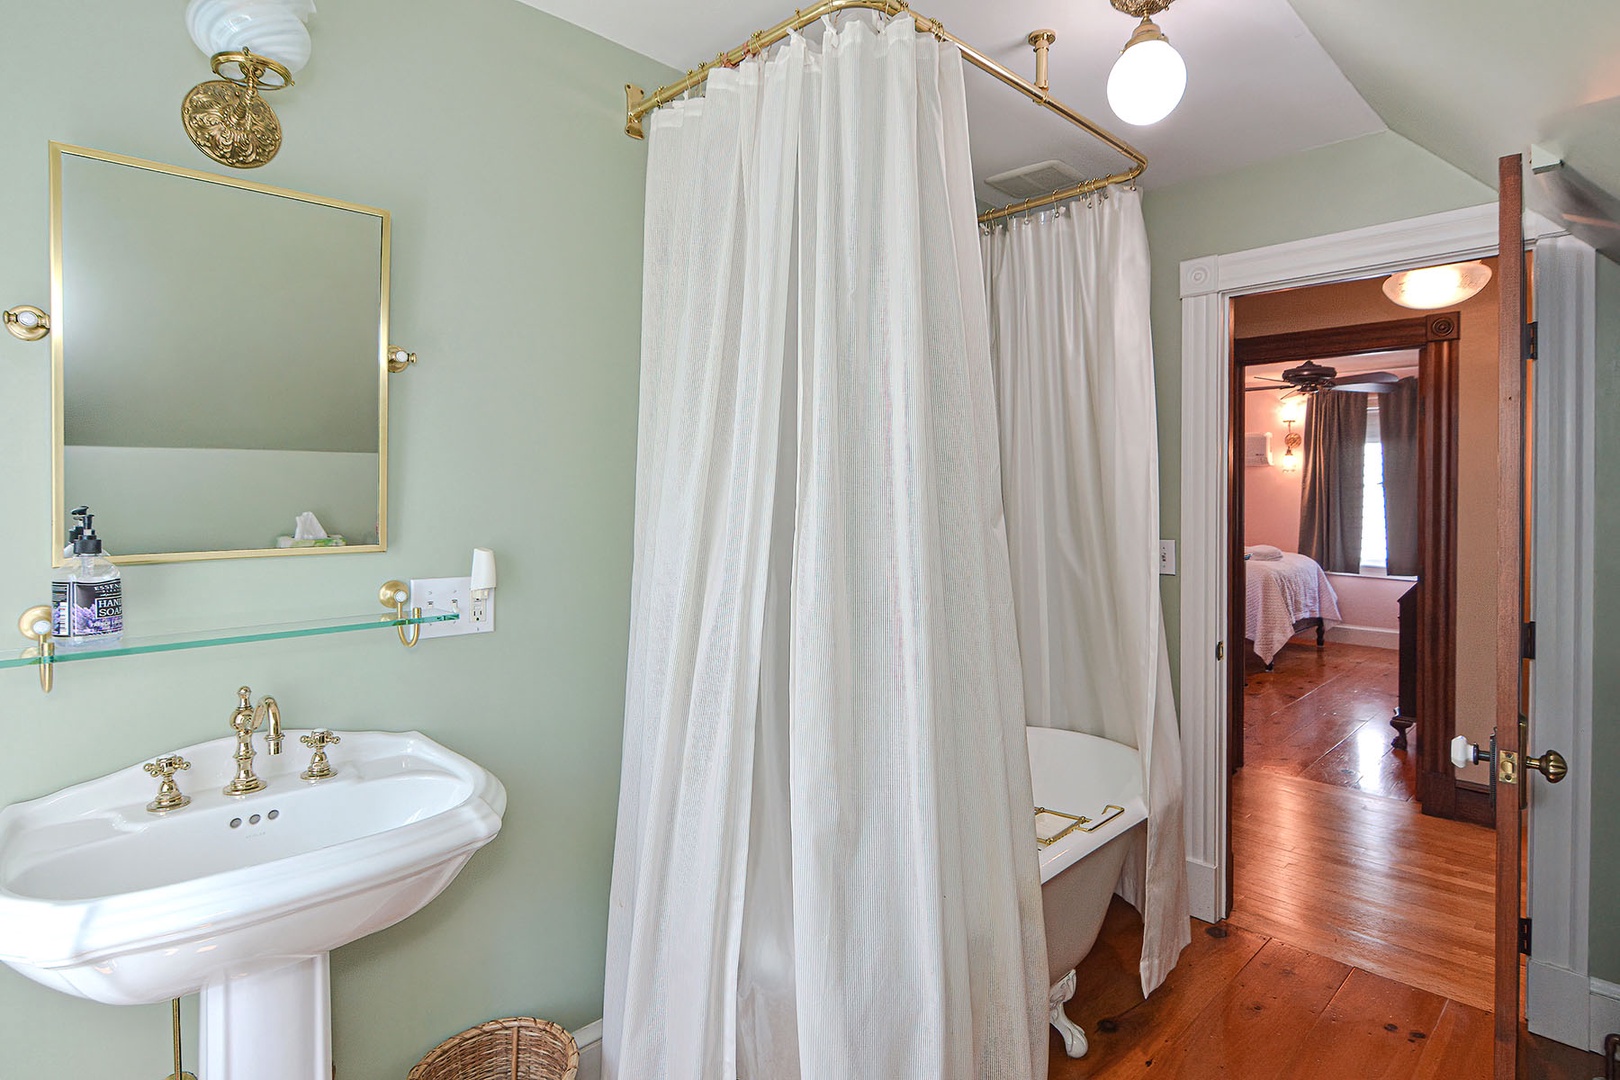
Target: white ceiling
{"x":1259,"y":86}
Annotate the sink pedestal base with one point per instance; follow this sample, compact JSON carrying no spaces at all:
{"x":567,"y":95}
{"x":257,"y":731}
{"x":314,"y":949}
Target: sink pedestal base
{"x":268,"y":1023}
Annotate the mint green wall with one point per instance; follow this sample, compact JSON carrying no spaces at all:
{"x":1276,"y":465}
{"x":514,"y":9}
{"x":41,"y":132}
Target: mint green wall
{"x":493,"y":134}
{"x":1348,"y":185}
{"x":1605,"y":924}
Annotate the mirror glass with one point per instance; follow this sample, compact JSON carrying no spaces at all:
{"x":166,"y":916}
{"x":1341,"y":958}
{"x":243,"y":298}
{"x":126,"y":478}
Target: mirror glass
{"x":220,"y":362}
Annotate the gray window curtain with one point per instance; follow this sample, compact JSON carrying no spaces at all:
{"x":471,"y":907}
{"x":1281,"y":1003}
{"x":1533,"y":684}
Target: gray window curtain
{"x":1335,"y":460}
{"x":1397,"y":432}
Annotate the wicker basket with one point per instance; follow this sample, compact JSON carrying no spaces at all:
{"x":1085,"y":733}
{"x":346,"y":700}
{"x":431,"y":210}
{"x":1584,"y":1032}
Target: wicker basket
{"x":517,"y":1048}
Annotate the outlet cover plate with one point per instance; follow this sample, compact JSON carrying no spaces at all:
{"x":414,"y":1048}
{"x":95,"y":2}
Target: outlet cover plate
{"x":1167,"y":558}
{"x":451,"y":594}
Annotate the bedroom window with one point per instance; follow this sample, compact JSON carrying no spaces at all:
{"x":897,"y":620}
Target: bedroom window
{"x":1374,"y":549}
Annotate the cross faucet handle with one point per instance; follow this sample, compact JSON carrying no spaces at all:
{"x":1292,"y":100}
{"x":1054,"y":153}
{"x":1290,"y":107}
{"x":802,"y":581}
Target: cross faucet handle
{"x":166,"y":767}
{"x":168,"y":796}
{"x":319,"y":767}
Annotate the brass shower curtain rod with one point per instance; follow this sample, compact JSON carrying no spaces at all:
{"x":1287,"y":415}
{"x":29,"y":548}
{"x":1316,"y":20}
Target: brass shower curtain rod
{"x":638,"y":103}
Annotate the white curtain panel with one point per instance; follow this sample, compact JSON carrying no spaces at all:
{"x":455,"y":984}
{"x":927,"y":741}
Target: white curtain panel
{"x":1073,"y":357}
{"x":824,"y":821}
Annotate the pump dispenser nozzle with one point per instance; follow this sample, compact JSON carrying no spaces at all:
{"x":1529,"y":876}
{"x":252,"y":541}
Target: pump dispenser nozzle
{"x":83,"y":535}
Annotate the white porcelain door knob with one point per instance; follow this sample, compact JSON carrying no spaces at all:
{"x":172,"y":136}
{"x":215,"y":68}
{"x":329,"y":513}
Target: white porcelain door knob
{"x":1463,"y":752}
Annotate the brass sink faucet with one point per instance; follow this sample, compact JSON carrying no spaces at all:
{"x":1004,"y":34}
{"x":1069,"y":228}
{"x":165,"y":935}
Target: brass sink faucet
{"x":245,"y":720}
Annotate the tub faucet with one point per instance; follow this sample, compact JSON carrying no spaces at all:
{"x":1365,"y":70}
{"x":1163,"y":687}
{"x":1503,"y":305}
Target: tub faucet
{"x":245,"y":720}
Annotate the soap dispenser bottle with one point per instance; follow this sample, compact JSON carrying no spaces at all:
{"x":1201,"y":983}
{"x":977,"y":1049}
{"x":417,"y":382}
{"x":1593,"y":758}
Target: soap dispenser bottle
{"x":87,"y":599}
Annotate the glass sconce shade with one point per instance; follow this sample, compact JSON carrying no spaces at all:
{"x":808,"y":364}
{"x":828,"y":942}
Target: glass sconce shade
{"x":269,"y":28}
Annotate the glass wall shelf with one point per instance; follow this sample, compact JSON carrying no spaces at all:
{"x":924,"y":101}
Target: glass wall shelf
{"x":134,"y":644}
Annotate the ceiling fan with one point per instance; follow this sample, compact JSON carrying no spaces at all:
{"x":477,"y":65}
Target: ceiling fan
{"x":1311,"y":378}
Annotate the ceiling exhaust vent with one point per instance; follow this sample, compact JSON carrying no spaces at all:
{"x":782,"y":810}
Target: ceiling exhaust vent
{"x":1042,"y":178}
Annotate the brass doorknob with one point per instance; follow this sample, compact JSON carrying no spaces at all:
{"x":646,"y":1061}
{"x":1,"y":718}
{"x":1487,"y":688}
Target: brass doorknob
{"x":1551,"y":765}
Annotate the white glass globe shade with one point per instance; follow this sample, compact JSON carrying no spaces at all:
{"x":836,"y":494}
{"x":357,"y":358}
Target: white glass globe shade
{"x":271,"y":28}
{"x":1147,"y":82}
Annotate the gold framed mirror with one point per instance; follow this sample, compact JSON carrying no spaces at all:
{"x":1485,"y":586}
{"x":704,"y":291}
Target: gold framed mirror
{"x":219,"y":355}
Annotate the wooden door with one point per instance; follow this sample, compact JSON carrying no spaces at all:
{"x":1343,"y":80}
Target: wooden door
{"x":1509,"y":776}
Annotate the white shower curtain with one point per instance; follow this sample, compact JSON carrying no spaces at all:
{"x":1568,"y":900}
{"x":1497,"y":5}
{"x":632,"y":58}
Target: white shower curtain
{"x":824,"y":822}
{"x":1073,"y":353}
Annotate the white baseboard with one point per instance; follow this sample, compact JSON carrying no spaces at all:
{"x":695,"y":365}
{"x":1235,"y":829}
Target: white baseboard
{"x":1604,"y":1013}
{"x":1376,"y":636}
{"x":1202,"y":892}
{"x":1556,"y":1003}
{"x":589,"y":1041}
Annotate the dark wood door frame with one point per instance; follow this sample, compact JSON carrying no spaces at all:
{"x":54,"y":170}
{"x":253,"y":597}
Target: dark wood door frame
{"x":1436,"y":337}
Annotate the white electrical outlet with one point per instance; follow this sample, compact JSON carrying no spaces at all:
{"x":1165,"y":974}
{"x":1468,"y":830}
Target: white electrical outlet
{"x":453,"y":594}
{"x":1167,"y":557}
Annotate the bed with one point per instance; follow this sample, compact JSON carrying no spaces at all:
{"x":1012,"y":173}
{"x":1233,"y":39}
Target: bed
{"x":1284,"y":597}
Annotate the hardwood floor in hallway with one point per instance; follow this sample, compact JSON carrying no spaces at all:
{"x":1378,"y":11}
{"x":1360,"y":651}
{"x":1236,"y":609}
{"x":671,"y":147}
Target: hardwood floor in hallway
{"x":1323,"y":714}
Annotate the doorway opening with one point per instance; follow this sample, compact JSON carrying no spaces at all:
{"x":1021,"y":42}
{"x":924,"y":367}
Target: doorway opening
{"x":1359,"y":459}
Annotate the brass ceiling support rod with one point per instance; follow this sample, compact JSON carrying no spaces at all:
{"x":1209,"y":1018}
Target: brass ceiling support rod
{"x":638,"y":103}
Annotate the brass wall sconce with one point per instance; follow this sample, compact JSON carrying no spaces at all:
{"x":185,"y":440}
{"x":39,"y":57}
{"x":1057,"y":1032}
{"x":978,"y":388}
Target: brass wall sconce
{"x":27,"y":322}
{"x":1291,"y":442}
{"x":254,"y":46}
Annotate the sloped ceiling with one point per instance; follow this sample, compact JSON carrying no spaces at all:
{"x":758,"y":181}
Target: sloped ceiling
{"x":1258,"y":84}
{"x":1473,"y":80}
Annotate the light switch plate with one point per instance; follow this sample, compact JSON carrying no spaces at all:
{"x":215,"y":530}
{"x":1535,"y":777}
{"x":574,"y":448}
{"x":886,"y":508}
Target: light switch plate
{"x":1167,"y":557}
{"x":453,"y":594}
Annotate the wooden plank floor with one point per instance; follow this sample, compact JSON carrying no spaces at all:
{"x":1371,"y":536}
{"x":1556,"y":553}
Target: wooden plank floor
{"x":1243,"y":1005}
{"x":1324,"y":714}
{"x":1366,"y":880}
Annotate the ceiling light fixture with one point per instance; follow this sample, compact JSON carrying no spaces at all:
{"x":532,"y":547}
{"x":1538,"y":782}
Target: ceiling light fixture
{"x":1431,"y":287}
{"x":254,"y":46}
{"x":1149,"y":77}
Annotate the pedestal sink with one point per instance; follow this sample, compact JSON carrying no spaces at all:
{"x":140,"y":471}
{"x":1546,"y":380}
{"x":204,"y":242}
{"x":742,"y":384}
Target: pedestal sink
{"x":239,"y":898}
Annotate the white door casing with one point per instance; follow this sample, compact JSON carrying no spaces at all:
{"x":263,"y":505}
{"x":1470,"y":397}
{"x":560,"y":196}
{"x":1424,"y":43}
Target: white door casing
{"x":1560,"y":848}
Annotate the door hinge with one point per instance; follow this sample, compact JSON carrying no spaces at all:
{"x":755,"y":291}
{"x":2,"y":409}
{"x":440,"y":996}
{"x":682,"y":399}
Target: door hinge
{"x":1524,"y":936}
{"x":1220,"y":651}
{"x":1532,"y":338}
{"x":1527,"y":640}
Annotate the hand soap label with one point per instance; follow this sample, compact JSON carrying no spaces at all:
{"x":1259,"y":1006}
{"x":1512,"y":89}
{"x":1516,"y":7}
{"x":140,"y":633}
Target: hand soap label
{"x":84,"y":609}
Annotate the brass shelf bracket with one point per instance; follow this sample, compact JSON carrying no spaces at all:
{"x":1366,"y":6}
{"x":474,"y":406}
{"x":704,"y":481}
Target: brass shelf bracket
{"x":399,"y":359}
{"x":394,"y":594}
{"x":26,"y":322}
{"x":639,"y":103}
{"x":35,"y":625}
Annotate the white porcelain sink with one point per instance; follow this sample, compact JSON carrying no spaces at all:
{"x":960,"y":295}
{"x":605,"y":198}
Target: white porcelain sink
{"x":103,"y":900}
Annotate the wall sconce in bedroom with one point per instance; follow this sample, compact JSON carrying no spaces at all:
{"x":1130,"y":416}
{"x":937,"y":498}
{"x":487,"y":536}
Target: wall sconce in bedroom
{"x":1291,"y":442}
{"x":1149,"y":77}
{"x":1431,"y":287}
{"x":254,"y":46}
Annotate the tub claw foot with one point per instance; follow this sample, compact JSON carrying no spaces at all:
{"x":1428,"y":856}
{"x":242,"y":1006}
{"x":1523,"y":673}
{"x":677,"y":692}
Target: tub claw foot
{"x":1074,"y":1039}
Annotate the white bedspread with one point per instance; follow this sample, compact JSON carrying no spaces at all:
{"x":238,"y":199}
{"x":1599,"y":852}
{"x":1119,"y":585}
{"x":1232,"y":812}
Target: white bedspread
{"x":1280,"y":593}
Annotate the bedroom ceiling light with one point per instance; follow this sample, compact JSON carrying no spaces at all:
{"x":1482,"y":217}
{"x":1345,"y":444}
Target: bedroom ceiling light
{"x":254,"y":46}
{"x":1431,"y":287}
{"x":1149,"y":77}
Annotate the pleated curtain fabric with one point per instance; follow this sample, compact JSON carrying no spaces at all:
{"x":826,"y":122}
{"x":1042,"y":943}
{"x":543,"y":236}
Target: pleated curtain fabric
{"x":824,"y":864}
{"x":1398,"y":436}
{"x":1331,"y":487}
{"x":1073,"y":355}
